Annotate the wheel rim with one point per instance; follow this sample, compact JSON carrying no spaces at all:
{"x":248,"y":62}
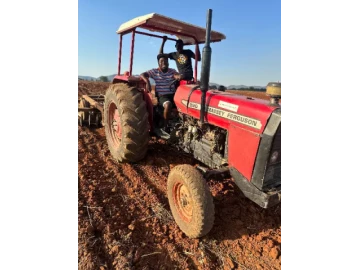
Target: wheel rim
{"x":183,"y":201}
{"x":114,"y":124}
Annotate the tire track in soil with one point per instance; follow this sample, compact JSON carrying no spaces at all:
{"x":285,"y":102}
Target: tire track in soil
{"x":136,"y":179}
{"x":121,"y":173}
{"x":155,"y":182}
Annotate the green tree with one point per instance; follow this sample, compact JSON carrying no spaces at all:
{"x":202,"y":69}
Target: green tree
{"x":103,"y":79}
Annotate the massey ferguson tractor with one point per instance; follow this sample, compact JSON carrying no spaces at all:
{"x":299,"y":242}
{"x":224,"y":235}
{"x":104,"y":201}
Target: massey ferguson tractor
{"x":227,"y":133}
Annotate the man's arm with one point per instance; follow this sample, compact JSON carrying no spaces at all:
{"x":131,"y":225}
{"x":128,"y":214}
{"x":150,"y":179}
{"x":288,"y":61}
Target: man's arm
{"x":161,"y":51}
{"x":176,"y":75}
{"x":193,"y":54}
{"x":145,"y":76}
{"x":162,"y":45}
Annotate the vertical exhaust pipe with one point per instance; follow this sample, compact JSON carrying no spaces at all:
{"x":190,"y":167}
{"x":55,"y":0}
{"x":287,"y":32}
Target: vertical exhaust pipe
{"x":205,"y":66}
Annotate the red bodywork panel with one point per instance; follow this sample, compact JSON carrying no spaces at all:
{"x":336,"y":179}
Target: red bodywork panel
{"x":245,"y":119}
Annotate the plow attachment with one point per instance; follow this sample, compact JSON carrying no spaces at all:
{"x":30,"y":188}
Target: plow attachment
{"x":90,"y":110}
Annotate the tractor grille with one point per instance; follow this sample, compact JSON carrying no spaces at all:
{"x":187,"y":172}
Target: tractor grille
{"x":272,"y":178}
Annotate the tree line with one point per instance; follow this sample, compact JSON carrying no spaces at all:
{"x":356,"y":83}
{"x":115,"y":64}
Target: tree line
{"x":100,"y":79}
{"x":212,"y":87}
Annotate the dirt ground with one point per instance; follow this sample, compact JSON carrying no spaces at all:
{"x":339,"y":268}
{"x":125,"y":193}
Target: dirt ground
{"x":124,"y":219}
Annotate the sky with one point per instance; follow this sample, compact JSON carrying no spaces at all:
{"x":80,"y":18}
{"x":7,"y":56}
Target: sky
{"x":250,"y":54}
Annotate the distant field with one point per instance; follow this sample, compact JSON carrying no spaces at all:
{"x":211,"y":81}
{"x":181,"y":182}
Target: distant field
{"x":88,"y":87}
{"x":249,"y":93}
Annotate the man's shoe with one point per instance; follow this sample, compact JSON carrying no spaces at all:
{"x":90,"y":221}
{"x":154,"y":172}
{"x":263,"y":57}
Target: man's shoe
{"x":160,"y":132}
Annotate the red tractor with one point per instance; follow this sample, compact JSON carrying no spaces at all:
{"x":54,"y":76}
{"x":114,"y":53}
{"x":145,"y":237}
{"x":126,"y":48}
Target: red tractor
{"x":226,"y":132}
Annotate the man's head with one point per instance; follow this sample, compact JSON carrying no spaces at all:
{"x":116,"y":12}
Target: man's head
{"x":163,"y":62}
{"x":179,"y":45}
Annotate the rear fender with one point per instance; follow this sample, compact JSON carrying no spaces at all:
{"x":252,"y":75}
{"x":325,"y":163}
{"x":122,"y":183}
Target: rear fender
{"x":131,"y":80}
{"x":120,"y":79}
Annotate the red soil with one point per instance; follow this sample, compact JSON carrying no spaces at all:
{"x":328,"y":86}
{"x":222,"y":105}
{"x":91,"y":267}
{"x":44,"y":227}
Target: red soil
{"x":124,"y":219}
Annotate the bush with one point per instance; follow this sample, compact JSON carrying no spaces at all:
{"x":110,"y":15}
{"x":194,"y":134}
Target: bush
{"x":103,"y":79}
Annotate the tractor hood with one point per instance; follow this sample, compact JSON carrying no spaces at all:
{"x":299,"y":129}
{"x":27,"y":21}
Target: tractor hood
{"x":224,"y":109}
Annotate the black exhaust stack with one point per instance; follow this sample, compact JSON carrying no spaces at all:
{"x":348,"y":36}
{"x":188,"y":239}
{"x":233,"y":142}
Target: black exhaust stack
{"x":205,"y":67}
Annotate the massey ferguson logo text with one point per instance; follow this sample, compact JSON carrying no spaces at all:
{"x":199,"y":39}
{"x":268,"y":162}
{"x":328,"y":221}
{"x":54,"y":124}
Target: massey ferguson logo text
{"x":251,"y":122}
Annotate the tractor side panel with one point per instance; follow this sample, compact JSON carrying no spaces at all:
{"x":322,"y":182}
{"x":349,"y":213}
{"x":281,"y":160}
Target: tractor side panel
{"x":244,"y":118}
{"x":225,"y":109}
{"x":242,"y":147}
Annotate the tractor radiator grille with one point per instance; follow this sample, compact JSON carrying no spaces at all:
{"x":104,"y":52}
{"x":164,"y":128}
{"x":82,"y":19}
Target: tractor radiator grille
{"x":272,"y":178}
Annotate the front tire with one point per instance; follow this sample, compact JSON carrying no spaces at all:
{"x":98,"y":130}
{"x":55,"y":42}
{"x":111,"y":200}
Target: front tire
{"x":190,"y":200}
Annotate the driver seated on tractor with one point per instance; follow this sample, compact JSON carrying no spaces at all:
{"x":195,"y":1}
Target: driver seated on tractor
{"x":163,"y":77}
{"x":182,"y":58}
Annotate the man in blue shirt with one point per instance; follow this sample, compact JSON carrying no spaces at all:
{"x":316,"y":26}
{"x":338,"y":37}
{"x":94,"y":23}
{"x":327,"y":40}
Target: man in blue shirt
{"x":163,"y":76}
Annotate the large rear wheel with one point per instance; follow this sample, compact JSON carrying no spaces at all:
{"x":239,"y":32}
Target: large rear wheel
{"x":126,"y":123}
{"x":190,"y":201}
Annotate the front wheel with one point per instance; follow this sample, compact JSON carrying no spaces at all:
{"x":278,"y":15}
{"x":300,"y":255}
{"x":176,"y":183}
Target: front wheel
{"x":190,"y":200}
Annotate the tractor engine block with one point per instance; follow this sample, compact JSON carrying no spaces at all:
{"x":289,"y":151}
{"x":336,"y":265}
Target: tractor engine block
{"x":207,"y":143}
